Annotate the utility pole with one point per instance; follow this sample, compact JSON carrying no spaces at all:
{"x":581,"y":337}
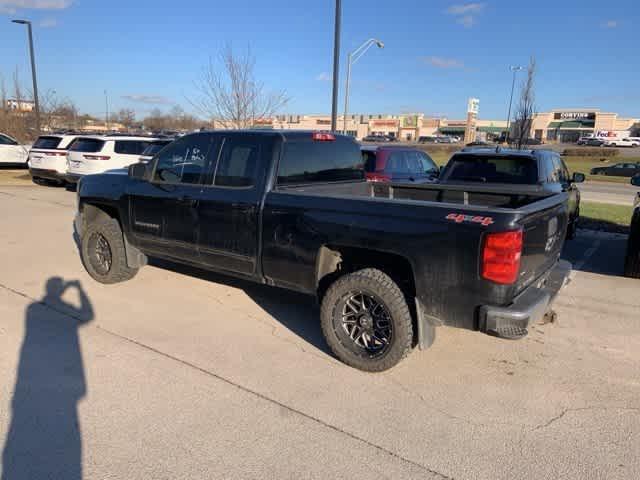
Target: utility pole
{"x":336,"y":66}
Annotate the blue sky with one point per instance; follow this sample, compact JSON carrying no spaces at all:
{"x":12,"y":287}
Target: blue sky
{"x":148,"y":54}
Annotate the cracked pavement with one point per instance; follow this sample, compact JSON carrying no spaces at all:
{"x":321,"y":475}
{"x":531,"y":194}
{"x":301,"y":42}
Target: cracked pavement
{"x":188,"y":374}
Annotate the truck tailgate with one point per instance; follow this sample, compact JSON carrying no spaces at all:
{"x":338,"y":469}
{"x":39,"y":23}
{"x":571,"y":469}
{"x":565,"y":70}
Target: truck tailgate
{"x":544,"y":235}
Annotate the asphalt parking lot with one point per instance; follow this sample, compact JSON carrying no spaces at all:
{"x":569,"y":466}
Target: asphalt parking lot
{"x":185,"y":374}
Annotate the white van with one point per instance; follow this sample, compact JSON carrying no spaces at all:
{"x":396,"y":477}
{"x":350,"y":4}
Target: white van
{"x":48,"y":158}
{"x":97,"y":154}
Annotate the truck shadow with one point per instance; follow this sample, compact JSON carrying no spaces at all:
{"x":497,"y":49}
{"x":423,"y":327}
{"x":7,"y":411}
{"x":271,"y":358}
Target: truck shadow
{"x":295,"y":311}
{"x":596,"y":252}
{"x":44,"y":437}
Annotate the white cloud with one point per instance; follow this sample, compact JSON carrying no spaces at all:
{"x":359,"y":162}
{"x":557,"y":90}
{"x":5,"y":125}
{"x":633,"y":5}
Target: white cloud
{"x":442,"y":62}
{"x":48,"y":23}
{"x":152,"y":99}
{"x":465,"y":9}
{"x":466,"y":13}
{"x":12,"y":6}
{"x":324,"y":77}
{"x":610,"y":24}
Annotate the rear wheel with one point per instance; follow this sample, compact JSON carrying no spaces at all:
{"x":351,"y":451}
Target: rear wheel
{"x":366,"y":320}
{"x":103,"y":252}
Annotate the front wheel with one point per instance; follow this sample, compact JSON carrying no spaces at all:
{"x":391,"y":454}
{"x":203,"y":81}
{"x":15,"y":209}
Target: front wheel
{"x":103,"y":252}
{"x":366,"y":320}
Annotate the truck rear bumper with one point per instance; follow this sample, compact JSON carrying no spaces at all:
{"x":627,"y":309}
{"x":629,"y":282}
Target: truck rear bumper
{"x":529,"y":307}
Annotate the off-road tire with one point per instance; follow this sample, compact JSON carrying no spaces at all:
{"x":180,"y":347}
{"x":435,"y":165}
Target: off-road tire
{"x":110,"y":230}
{"x":384,"y":288}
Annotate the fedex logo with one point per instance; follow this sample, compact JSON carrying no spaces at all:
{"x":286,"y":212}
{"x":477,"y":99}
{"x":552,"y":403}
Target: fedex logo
{"x":460,"y":218}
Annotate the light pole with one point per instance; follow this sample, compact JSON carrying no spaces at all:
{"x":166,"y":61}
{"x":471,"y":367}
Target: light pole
{"x":353,"y":58}
{"x":515,"y":69}
{"x":336,"y":67}
{"x":106,"y":104}
{"x":33,"y":72}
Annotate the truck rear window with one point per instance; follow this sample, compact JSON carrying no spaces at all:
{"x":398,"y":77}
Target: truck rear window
{"x":308,"y":161}
{"x":90,"y":145}
{"x":154,"y":148}
{"x":516,"y":169}
{"x":47,"y":142}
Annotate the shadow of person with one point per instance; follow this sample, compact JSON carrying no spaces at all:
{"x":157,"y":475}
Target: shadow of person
{"x":44,"y":436}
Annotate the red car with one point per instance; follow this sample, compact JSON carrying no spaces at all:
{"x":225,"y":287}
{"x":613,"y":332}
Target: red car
{"x":398,"y":164}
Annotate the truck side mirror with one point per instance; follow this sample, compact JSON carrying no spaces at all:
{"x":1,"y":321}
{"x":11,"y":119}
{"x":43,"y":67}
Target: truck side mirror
{"x":139,"y":171}
{"x":635,"y":180}
{"x":578,"y":177}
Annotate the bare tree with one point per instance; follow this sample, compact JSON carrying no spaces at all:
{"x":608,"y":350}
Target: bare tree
{"x":526,"y":106}
{"x":125,"y":116}
{"x":229,"y":94}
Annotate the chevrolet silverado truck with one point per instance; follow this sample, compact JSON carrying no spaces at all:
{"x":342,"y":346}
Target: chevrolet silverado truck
{"x":387,"y":262}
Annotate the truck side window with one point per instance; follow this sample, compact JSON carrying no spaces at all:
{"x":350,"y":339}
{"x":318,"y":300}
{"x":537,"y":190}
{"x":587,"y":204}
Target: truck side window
{"x":237,"y":164}
{"x":184,"y":160}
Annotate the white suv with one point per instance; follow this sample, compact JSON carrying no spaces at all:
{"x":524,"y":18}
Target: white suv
{"x":97,"y":154}
{"x":11,"y":152}
{"x":48,"y":158}
{"x":625,"y":142}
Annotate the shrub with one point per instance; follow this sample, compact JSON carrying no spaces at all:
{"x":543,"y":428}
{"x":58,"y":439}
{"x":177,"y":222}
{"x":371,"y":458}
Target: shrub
{"x":591,"y":152}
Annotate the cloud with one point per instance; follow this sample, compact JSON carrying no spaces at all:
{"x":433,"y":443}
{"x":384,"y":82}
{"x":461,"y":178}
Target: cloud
{"x":466,"y":13}
{"x":12,"y":6}
{"x":465,"y":9}
{"x":48,"y":23}
{"x":442,"y":62}
{"x":150,"y":99}
{"x":324,"y":77}
{"x":610,"y":24}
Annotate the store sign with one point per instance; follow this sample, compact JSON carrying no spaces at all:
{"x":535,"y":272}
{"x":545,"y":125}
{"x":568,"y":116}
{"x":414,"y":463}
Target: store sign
{"x":574,"y":116}
{"x":320,"y":121}
{"x":473,"y":105}
{"x":410,"y":121}
{"x":384,"y":123}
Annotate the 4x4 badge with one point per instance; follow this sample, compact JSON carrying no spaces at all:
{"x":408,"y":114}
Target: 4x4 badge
{"x":460,"y":218}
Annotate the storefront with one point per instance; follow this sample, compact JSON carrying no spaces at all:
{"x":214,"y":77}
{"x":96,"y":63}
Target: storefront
{"x":567,"y":126}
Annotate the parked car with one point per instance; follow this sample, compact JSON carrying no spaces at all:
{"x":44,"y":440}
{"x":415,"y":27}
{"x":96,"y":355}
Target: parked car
{"x":427,"y":139}
{"x":622,"y":142}
{"x":535,"y":171}
{"x":388,"y":262}
{"x":632,"y":260}
{"x":376,"y":138}
{"x":97,"y":154}
{"x":12,"y":152}
{"x":445,"y":139}
{"x":398,"y":164}
{"x":583,"y":140}
{"x":48,"y":158}
{"x":153,"y":148}
{"x":618,"y":170}
{"x":595,"y":142}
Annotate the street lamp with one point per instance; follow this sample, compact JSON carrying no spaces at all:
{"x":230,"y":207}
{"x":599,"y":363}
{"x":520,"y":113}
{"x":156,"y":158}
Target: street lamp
{"x":336,"y":66}
{"x":33,"y":72}
{"x":353,"y":58}
{"x":515,"y":69}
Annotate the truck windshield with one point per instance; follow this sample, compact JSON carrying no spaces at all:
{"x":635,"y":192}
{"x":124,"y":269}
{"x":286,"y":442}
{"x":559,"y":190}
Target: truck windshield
{"x":516,"y":169}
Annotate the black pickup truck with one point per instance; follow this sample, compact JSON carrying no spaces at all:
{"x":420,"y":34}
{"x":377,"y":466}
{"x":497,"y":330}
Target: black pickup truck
{"x":387,"y":262}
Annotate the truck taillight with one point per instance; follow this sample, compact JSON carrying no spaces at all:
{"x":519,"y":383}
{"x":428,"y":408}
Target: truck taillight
{"x":97,"y":157}
{"x":501,"y":256}
{"x":57,"y":154}
{"x":323,"y":137}
{"x":378,"y":177}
